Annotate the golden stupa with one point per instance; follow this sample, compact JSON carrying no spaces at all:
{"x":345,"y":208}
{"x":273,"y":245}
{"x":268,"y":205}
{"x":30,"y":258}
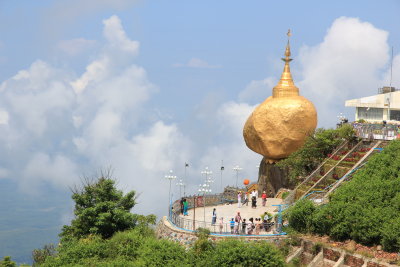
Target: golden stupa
{"x":280,"y":125}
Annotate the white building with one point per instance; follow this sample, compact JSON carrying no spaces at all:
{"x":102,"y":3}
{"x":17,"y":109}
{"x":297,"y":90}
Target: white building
{"x":384,"y":106}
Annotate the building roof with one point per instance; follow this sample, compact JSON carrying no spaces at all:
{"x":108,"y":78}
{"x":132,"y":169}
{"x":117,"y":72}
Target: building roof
{"x":387,"y":100}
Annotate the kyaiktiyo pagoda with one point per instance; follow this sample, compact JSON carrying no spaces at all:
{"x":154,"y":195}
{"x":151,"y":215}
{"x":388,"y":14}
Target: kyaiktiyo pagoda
{"x":278,"y":127}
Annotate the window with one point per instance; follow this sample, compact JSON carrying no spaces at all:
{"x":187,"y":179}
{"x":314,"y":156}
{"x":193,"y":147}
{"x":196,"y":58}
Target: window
{"x":370,"y":113}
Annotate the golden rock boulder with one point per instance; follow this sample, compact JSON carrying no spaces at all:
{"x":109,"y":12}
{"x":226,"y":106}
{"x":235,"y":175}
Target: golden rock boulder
{"x":280,"y":125}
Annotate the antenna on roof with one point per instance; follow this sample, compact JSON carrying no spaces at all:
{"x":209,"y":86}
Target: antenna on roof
{"x":391,"y":70}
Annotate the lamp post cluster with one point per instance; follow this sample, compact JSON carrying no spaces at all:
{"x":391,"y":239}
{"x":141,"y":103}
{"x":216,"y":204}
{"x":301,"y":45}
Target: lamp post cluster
{"x":170,"y":177}
{"x":237,"y":169}
{"x":204,"y":188}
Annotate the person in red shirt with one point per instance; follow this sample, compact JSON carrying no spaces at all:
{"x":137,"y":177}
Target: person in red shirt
{"x":264,"y":198}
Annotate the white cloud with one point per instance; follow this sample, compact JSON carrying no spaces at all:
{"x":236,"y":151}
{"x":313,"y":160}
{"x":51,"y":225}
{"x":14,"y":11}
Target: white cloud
{"x":116,"y":36}
{"x":198,"y":63}
{"x":4,"y":117}
{"x":344,"y":66}
{"x":257,"y":91}
{"x":75,"y":46}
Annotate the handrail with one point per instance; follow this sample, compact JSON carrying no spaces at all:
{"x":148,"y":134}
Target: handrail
{"x":326,"y":174}
{"x":290,"y":196}
{"x":355,"y":167}
{"x":334,"y":185}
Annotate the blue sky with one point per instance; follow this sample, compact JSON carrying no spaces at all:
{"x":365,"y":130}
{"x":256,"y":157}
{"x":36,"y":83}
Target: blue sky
{"x":144,"y":86}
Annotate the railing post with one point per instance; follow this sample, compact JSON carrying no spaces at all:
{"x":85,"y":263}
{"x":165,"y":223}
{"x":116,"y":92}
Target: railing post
{"x":194,"y":212}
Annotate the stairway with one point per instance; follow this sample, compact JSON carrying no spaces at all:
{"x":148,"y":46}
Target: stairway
{"x":293,"y":196}
{"x":320,"y":191}
{"x":329,"y":174}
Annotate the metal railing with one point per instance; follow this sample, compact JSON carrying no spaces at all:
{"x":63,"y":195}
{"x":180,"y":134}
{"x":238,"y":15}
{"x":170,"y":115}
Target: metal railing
{"x":376,"y":131}
{"x":270,"y":227}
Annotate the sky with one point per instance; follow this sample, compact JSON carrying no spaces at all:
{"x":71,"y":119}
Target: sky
{"x":144,"y":86}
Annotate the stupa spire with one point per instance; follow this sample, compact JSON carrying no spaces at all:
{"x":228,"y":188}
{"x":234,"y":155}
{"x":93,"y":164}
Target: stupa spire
{"x":285,"y":86}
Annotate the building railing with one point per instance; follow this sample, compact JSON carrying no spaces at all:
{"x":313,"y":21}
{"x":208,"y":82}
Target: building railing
{"x":376,"y":131}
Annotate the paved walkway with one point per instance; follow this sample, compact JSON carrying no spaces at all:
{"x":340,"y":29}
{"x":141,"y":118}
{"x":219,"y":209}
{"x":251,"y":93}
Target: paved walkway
{"x":229,"y":211}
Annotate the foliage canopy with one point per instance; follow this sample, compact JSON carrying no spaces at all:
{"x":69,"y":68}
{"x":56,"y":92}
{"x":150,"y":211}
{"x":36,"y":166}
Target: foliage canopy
{"x":315,"y":149}
{"x":100,"y":209}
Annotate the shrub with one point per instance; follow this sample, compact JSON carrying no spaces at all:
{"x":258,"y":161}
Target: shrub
{"x":300,"y":215}
{"x":233,"y":252}
{"x":391,"y":235}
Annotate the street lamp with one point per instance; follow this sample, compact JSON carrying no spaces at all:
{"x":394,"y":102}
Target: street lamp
{"x":180,"y":184}
{"x":237,"y":169}
{"x":207,"y":172}
{"x":170,"y":177}
{"x":204,"y":189}
{"x":222,"y":169}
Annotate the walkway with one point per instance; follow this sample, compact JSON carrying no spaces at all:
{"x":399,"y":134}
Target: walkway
{"x":229,"y":211}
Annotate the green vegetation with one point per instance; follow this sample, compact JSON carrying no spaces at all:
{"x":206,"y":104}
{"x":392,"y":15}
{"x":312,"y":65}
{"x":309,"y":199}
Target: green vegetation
{"x":315,"y":150}
{"x":100,"y":209}
{"x":140,"y":247}
{"x":7,"y":262}
{"x":365,"y":209}
{"x":105,"y":233}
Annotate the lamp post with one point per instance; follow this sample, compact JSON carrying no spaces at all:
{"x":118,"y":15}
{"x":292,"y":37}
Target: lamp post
{"x":185,"y":181}
{"x":222,"y":169}
{"x":180,"y":184}
{"x":204,"y":189}
{"x":207,"y":172}
{"x":170,"y":177}
{"x":237,"y":169}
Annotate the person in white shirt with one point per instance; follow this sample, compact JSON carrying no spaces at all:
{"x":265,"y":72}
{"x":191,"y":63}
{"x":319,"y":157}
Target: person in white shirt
{"x":254,"y":196}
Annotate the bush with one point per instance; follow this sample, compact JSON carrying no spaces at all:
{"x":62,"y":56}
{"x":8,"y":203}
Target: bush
{"x":391,"y":235}
{"x":7,"y":262}
{"x":233,"y":252}
{"x":100,"y":209}
{"x":300,"y":215}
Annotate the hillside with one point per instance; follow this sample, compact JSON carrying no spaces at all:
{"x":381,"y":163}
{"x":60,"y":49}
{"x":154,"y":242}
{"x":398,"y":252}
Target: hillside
{"x":364,"y":209}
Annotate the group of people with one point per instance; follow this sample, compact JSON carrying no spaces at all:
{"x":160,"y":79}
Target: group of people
{"x":251,"y":227}
{"x":239,"y":226}
{"x":254,"y":196}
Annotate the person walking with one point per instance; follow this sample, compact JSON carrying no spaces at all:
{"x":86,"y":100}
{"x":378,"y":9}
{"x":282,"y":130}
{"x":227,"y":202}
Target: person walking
{"x":214,"y":216}
{"x":232,"y":224}
{"x":181,"y":204}
{"x":221,"y":224}
{"x":258,"y":226}
{"x":185,"y":207}
{"x":246,"y":199}
{"x":239,"y":196}
{"x":238,"y":217}
{"x":254,"y":196}
{"x":236,"y":227}
{"x":244,"y":227}
{"x":264,"y":198}
{"x":250,"y":226}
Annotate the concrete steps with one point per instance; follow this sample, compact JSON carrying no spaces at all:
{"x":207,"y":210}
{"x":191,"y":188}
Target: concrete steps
{"x":315,"y":255}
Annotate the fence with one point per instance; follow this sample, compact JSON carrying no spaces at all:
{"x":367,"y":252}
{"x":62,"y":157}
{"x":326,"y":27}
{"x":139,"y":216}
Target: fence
{"x":376,"y":131}
{"x":267,"y":227}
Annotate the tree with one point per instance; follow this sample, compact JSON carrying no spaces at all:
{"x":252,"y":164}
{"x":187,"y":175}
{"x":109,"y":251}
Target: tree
{"x":100,"y":209}
{"x":316,"y":147}
{"x":7,"y":262}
